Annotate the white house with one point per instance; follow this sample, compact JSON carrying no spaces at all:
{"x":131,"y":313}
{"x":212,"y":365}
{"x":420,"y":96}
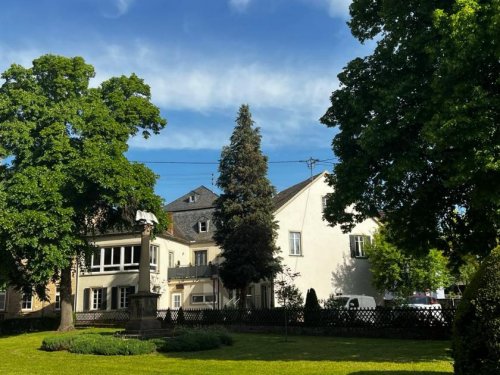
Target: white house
{"x":184,"y":259}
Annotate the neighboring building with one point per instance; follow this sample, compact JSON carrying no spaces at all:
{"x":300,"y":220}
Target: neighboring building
{"x":15,"y":304}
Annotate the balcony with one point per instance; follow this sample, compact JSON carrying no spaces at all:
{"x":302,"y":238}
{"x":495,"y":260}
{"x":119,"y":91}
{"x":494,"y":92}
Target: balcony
{"x":192,"y":272}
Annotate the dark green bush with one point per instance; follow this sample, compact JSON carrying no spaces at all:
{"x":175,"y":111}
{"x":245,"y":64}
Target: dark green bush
{"x":21,"y":325}
{"x":97,"y":344}
{"x":476,"y":331}
{"x":59,"y":342}
{"x":189,"y":340}
{"x":312,"y":313}
{"x":180,"y":316}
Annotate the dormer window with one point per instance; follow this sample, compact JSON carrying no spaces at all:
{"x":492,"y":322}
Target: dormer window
{"x":203,"y":226}
{"x":192,"y":198}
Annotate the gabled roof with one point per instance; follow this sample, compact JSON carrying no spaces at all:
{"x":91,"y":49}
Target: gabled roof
{"x":205,"y":198}
{"x":286,"y":195}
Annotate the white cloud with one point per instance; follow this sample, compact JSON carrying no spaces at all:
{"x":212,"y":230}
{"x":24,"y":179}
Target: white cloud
{"x":115,"y":8}
{"x":335,"y":8}
{"x":239,"y":5}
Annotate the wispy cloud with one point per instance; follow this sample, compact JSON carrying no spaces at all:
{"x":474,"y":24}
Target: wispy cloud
{"x":115,"y":8}
{"x":335,"y":8}
{"x":239,"y":5}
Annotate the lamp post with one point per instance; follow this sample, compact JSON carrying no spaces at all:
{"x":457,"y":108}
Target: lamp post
{"x":143,"y":305}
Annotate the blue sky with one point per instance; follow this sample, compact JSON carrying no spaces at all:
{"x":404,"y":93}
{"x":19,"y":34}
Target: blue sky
{"x":203,"y":59}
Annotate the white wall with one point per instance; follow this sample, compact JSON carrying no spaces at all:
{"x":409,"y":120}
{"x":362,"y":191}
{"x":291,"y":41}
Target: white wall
{"x":325,"y":264}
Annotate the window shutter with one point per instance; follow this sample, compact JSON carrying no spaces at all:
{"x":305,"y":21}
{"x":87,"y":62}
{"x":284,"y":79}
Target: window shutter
{"x":352,"y":242}
{"x":114,"y":298}
{"x":86,"y":299}
{"x":130,"y":290}
{"x":104,"y":304}
{"x":367,"y":240}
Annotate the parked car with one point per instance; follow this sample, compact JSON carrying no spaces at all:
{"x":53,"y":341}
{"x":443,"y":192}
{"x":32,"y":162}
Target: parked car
{"x":353,"y":309}
{"x":428,"y":308}
{"x":354,"y":301}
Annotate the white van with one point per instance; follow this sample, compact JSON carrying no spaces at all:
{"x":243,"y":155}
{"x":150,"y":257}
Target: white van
{"x":354,"y":301}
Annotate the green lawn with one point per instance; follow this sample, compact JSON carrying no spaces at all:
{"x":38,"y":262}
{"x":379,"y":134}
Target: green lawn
{"x":251,"y":354}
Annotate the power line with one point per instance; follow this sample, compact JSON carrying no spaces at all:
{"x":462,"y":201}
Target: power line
{"x":308,"y":161}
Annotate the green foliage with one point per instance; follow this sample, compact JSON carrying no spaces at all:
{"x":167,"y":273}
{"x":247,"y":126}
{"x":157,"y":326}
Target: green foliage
{"x":476,"y":331}
{"x":189,"y":340}
{"x":418,"y":125}
{"x":69,"y":176}
{"x":244,"y":219}
{"x":97,"y":344}
{"x":180,"y":316}
{"x":23,"y":325}
{"x":312,"y":309}
{"x":402,"y":274}
{"x":287,"y":294}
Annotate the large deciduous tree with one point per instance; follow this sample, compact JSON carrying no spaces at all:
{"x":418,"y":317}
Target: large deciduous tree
{"x":402,"y":274}
{"x":65,"y":174}
{"x":246,"y":229}
{"x":418,"y":120}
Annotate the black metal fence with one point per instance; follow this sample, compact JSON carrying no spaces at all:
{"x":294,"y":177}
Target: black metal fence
{"x":405,"y":322}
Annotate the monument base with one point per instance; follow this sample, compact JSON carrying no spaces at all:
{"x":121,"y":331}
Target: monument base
{"x":143,"y":308}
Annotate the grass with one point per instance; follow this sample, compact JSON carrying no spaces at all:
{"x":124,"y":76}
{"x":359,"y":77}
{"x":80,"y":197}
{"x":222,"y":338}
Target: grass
{"x":251,"y":354}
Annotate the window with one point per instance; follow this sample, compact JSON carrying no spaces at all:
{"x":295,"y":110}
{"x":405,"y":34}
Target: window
{"x":358,"y":243}
{"x":153,"y":258}
{"x":192,"y":198}
{"x":57,"y":304}
{"x":203,"y":226}
{"x":203,"y":298}
{"x":324,"y":201}
{"x":122,"y":258}
{"x":124,"y":296}
{"x":295,"y":248}
{"x":176,"y":300}
{"x":171,"y":260}
{"x":27,"y":301}
{"x":98,"y":299}
{"x":3,"y":299}
{"x":200,"y":258}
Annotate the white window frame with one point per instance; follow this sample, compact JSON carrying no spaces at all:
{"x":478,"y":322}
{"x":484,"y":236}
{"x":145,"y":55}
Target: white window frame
{"x":57,"y":301}
{"x":154,"y":251}
{"x":171,"y":259}
{"x":204,"y":298}
{"x":295,"y":243}
{"x":324,"y":199}
{"x":201,"y":251}
{"x":176,"y":300}
{"x":27,"y":305}
{"x":96,"y":295}
{"x":3,"y":299}
{"x":123,"y":293}
{"x":203,"y":226}
{"x":133,"y":265}
{"x":192,"y":198}
{"x":359,"y":246}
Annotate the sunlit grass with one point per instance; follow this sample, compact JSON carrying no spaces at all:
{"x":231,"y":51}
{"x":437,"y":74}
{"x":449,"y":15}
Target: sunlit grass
{"x":250,"y":354}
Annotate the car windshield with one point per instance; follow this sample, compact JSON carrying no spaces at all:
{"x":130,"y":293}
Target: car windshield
{"x":421,"y":300}
{"x":340,"y":301}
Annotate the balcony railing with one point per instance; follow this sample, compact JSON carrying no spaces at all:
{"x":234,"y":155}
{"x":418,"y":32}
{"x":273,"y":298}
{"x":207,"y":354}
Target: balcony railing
{"x":192,"y":272}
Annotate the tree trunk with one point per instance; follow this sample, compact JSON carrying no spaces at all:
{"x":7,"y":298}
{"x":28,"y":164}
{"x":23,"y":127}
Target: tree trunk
{"x":66,"y":323}
{"x":242,"y":302}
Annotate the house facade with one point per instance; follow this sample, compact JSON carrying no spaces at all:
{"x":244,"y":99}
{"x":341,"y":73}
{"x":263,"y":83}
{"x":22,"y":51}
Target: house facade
{"x":184,"y":260}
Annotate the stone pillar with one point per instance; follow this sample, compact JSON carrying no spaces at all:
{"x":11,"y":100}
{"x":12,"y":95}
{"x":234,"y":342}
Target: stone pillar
{"x":143,"y":305}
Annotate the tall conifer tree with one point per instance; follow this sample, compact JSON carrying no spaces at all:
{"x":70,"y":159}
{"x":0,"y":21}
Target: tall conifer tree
{"x":246,"y":229}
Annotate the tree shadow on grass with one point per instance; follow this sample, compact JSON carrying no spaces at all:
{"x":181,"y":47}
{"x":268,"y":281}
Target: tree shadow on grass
{"x":307,"y":348}
{"x":389,"y":372}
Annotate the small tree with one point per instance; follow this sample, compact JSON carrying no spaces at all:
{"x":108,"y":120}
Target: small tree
{"x":244,"y":219}
{"x":312,"y":309}
{"x":287,"y":294}
{"x":402,"y":274}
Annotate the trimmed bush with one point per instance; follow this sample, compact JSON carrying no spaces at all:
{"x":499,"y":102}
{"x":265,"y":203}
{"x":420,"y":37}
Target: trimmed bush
{"x":190,"y":340}
{"x":476,"y":331}
{"x":57,"y":343}
{"x":180,"y":316}
{"x":312,"y":309}
{"x":97,"y":344}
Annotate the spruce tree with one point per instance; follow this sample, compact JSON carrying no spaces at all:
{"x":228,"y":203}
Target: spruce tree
{"x":246,"y":229}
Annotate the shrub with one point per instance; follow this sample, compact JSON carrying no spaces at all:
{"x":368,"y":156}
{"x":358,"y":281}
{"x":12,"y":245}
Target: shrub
{"x":180,"y":316}
{"x":312,"y":313}
{"x":21,"y":325}
{"x":189,"y":340}
{"x":97,"y":344}
{"x":476,"y":331}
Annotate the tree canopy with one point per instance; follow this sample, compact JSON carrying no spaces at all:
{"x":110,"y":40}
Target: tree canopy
{"x":244,"y":218}
{"x":65,"y":175}
{"x":402,"y":274}
{"x":419,"y":142}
